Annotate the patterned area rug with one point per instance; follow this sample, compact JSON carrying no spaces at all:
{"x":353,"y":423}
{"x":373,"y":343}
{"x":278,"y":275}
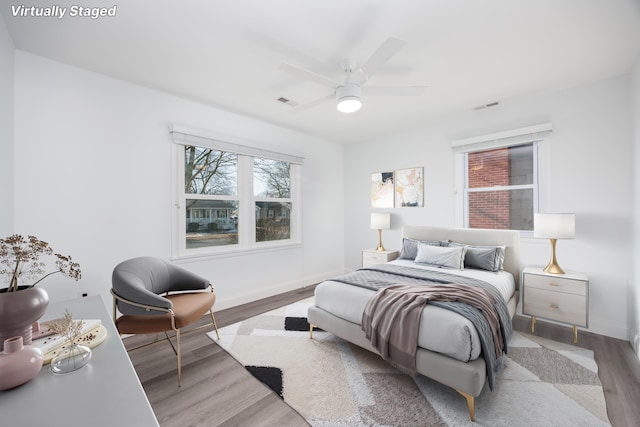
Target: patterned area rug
{"x":333,"y":383}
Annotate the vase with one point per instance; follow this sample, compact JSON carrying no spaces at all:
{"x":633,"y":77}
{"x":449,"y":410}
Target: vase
{"x":19,"y":310}
{"x":70,"y":358}
{"x":18,"y":363}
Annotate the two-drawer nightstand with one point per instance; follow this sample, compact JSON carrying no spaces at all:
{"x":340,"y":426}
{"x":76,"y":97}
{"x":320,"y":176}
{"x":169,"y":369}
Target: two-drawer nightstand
{"x":560,"y":297}
{"x":372,"y":257}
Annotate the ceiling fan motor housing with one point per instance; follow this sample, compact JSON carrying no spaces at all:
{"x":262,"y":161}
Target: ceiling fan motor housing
{"x":348,"y":97}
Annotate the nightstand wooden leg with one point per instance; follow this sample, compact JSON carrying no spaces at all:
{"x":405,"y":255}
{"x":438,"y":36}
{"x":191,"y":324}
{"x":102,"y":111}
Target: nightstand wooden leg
{"x":575,"y":334}
{"x":533,"y":324}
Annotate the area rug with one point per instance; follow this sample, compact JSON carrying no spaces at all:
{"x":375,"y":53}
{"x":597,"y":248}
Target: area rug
{"x":331,"y":382}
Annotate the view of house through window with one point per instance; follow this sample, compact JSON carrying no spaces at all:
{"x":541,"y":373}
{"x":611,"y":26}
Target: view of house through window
{"x":218,"y":204}
{"x":211,"y":186}
{"x":272,"y":192}
{"x":501,"y":188}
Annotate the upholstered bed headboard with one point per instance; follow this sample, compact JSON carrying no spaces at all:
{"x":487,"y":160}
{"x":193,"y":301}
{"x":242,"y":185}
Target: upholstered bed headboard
{"x":474,"y":236}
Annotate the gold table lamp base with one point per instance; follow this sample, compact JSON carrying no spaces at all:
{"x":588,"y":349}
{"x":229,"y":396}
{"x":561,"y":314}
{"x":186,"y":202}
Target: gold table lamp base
{"x":380,"y":248}
{"x":553,"y":266}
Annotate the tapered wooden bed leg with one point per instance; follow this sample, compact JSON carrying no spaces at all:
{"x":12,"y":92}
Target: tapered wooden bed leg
{"x":310,"y":331}
{"x":471,"y":404}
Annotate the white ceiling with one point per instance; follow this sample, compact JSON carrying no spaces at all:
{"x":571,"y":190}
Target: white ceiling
{"x":226,"y":53}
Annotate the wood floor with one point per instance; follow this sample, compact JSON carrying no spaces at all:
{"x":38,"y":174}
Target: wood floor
{"x":217,"y":391}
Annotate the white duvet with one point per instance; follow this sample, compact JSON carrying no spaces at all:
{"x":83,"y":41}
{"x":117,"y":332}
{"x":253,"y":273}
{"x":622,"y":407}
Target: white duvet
{"x":441,"y":330}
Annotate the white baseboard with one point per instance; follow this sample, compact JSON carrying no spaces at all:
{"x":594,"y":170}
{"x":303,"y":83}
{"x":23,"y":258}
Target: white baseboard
{"x":265,"y":292}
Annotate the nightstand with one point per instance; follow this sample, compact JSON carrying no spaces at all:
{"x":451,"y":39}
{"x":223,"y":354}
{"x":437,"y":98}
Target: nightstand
{"x":560,"y":297}
{"x":372,"y":257}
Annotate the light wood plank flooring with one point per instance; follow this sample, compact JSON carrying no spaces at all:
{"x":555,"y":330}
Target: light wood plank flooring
{"x":217,"y":391}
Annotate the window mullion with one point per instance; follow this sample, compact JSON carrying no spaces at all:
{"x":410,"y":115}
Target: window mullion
{"x":296,"y":202}
{"x":179,"y":233}
{"x":500,"y":188}
{"x":246,"y":216}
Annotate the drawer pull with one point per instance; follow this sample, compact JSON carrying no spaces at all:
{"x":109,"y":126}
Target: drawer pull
{"x":554,"y":306}
{"x":553,"y":284}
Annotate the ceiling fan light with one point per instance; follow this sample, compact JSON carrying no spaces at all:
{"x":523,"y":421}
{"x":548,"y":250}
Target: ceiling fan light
{"x":349,"y":104}
{"x":348,"y":97}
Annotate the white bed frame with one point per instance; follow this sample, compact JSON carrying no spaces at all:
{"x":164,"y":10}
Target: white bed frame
{"x":468,"y":378}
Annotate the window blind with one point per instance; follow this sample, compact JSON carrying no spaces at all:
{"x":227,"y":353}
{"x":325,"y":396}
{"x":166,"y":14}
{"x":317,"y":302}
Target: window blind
{"x":502,"y":139}
{"x":184,"y":135}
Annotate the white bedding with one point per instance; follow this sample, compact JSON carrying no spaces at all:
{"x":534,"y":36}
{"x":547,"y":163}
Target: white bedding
{"x":440,"y":330}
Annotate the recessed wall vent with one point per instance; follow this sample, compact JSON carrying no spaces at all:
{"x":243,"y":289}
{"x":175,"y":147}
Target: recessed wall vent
{"x":491,"y":104}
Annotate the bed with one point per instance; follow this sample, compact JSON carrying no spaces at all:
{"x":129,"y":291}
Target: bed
{"x":451,"y":353}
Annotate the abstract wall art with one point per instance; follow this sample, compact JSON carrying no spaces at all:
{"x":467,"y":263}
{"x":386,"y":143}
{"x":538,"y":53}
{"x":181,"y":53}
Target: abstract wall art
{"x":382,"y":190}
{"x":409,"y":187}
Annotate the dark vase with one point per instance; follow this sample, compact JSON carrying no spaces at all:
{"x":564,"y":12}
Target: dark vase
{"x":19,"y":311}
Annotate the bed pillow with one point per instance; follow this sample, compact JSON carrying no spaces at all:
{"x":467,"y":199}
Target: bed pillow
{"x":490,"y":258}
{"x":452,"y":257}
{"x":410,"y":247}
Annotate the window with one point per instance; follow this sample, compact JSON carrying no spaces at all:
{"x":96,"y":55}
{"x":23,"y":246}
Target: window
{"x":500,"y":179}
{"x":210,"y":197}
{"x":232,"y":197}
{"x":500,"y":190}
{"x":272,"y":193}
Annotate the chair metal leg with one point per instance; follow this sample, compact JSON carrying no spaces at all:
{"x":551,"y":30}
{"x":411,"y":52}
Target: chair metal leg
{"x":179,"y":359}
{"x":166,"y":334}
{"x":213,"y":319}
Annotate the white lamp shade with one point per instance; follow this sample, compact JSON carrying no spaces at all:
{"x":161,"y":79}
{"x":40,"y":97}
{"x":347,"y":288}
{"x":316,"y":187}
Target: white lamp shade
{"x":380,"y":221}
{"x":554,"y":226}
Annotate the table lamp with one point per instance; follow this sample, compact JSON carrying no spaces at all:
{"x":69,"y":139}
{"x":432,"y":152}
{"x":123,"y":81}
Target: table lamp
{"x":554,"y":227}
{"x":380,"y":221}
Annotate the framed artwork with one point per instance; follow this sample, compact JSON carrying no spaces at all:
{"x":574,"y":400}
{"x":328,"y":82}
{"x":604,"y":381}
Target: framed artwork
{"x":409,"y":188}
{"x":382,"y":190}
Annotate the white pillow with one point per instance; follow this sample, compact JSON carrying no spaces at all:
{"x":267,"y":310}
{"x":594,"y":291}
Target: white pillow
{"x":452,"y":256}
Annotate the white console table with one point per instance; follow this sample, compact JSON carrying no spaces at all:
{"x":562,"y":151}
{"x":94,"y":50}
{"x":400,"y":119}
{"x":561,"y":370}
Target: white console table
{"x":106,"y":392}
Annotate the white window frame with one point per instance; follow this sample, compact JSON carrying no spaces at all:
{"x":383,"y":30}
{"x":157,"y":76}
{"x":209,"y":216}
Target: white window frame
{"x":182,"y":136}
{"x":540,"y":135}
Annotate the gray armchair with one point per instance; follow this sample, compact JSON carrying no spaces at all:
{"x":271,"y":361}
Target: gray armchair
{"x":155,"y":296}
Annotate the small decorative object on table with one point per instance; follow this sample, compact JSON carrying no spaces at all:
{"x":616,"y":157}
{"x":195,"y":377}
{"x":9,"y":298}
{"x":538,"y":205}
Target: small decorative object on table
{"x":18,"y":363}
{"x":73,"y":356}
{"x":22,"y":303}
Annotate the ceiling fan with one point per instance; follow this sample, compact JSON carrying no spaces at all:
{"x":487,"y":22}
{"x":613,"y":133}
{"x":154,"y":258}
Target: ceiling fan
{"x":348,"y":93}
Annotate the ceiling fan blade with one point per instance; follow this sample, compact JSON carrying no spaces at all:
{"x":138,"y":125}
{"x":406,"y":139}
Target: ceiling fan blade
{"x":385,"y":51}
{"x":312,"y":104}
{"x":393,"y":91}
{"x":308,"y":75}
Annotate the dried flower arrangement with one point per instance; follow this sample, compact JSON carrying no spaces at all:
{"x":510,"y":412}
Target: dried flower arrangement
{"x":67,"y":327}
{"x":20,"y":259}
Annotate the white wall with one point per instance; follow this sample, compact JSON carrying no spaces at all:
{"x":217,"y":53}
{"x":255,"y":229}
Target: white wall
{"x":93,"y":177}
{"x":591,"y":169}
{"x":6,"y":130}
{"x":634,"y":285}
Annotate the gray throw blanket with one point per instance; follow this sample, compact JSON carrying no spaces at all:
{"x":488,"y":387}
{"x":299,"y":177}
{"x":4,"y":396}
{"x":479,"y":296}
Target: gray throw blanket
{"x":391,"y":318}
{"x":493,"y":342}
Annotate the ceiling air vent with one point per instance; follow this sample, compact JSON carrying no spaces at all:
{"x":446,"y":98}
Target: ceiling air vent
{"x":287,"y":101}
{"x":491,"y":104}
